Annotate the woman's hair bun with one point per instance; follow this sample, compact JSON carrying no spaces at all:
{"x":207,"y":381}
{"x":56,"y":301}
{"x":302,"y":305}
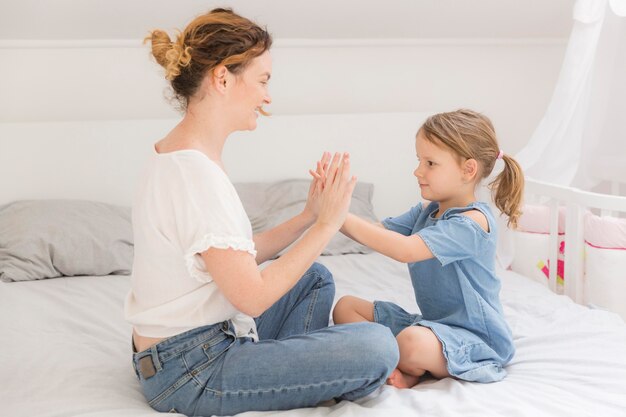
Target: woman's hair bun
{"x":170,"y":55}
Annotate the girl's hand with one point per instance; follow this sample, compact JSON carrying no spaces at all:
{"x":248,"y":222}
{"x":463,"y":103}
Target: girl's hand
{"x":336,"y":192}
{"x":312,"y":207}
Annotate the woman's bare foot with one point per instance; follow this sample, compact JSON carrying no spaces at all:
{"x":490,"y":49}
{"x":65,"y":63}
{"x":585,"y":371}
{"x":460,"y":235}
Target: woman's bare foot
{"x":399,"y":379}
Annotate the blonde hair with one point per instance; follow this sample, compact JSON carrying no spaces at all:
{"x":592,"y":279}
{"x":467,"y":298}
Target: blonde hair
{"x":219,"y":37}
{"x":471,"y":135}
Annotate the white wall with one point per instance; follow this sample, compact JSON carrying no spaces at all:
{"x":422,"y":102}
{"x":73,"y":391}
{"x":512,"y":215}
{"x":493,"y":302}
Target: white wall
{"x":509,"y":80}
{"x":288,"y":19}
{"x":101,"y":160}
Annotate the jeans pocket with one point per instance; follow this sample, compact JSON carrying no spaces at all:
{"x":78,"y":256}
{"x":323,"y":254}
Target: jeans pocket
{"x":215,"y":347}
{"x":202,"y":355}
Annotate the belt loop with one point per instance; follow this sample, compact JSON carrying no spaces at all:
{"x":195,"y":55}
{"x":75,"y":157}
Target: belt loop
{"x":135,"y":368}
{"x":155,"y":357}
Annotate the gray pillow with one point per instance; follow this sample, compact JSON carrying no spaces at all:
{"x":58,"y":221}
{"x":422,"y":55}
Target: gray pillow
{"x":52,"y":238}
{"x":269,"y":204}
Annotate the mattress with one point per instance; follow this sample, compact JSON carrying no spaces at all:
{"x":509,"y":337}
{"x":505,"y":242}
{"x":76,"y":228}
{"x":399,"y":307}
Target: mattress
{"x":66,"y":351}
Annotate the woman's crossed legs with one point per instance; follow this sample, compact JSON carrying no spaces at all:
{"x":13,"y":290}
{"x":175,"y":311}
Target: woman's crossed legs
{"x":298,"y":360}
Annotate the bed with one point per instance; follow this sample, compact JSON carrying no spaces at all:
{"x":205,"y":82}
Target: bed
{"x":66,"y":347}
{"x":66,"y":352}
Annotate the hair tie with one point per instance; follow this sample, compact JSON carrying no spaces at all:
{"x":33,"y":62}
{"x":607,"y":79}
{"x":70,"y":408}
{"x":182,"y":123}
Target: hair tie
{"x":500,"y":154}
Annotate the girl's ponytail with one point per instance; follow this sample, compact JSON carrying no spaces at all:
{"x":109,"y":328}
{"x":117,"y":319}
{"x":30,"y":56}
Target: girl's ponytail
{"x":508,"y":190}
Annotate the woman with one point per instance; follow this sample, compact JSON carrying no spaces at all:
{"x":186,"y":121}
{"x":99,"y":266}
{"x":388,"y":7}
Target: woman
{"x":213,"y":334}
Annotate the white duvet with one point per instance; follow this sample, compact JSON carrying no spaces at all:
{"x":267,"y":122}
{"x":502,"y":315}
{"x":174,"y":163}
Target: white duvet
{"x":65,"y":351}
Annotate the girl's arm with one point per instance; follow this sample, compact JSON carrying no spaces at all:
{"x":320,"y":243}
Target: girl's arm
{"x":394,"y":245}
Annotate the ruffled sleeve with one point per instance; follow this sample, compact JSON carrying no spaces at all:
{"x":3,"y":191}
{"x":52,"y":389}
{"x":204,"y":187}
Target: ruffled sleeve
{"x":208,"y":213}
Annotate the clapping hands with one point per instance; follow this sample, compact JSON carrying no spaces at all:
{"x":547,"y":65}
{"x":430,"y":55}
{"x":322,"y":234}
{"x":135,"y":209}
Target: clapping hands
{"x":331,"y":189}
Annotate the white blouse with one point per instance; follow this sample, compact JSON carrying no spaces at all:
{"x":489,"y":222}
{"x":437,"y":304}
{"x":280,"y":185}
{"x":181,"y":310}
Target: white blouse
{"x":184,"y":205}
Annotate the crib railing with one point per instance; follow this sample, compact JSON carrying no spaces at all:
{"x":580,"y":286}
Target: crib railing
{"x":577,"y":203}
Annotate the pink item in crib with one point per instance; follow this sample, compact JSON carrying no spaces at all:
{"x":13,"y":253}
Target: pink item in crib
{"x":536,"y":219}
{"x":560,"y":266}
{"x":605,"y":232}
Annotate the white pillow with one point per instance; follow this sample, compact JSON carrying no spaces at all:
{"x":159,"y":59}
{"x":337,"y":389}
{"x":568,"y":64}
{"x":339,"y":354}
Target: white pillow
{"x":605,"y":263}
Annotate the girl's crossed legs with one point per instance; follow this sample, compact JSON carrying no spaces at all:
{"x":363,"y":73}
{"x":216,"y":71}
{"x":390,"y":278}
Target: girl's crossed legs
{"x":420,"y":350}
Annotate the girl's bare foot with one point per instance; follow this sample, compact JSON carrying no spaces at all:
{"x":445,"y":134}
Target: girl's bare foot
{"x":399,"y":379}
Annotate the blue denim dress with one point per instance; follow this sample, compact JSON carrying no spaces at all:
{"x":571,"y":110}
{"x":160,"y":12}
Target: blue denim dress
{"x":457,"y":291}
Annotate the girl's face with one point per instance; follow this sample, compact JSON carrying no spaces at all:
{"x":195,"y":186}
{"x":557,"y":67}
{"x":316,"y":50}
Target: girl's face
{"x":439,"y":173}
{"x":250,"y":92}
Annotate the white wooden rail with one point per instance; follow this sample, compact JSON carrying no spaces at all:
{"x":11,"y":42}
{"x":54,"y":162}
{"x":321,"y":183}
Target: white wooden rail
{"x":577,"y":203}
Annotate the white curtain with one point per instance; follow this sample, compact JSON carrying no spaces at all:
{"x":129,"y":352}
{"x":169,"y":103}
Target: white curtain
{"x":581,"y":139}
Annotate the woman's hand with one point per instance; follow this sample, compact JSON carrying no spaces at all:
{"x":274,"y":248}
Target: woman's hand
{"x":312,"y":207}
{"x":337,"y":188}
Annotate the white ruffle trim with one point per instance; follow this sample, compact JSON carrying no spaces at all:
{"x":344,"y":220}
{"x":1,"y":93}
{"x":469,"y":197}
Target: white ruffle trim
{"x":194,"y":262}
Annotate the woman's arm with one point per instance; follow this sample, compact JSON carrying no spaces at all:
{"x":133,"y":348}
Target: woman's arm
{"x":394,"y":245}
{"x":272,"y":241}
{"x":252,"y":291}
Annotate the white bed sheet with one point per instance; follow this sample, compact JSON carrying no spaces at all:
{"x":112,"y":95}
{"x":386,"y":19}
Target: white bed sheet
{"x":65,"y":351}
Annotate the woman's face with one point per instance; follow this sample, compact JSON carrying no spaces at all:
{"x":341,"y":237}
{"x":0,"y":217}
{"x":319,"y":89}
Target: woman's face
{"x":250,"y":92}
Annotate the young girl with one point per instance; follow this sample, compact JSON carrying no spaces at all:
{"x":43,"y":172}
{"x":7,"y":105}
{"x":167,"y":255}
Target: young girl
{"x":449,"y":245}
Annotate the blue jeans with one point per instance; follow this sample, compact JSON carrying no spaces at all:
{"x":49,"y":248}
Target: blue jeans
{"x":297,"y":362}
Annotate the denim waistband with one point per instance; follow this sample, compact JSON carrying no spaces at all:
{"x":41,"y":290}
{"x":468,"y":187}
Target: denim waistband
{"x":172,"y":346}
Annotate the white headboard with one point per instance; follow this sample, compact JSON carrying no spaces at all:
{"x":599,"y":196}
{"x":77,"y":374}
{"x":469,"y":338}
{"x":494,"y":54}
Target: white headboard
{"x":100,"y":160}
